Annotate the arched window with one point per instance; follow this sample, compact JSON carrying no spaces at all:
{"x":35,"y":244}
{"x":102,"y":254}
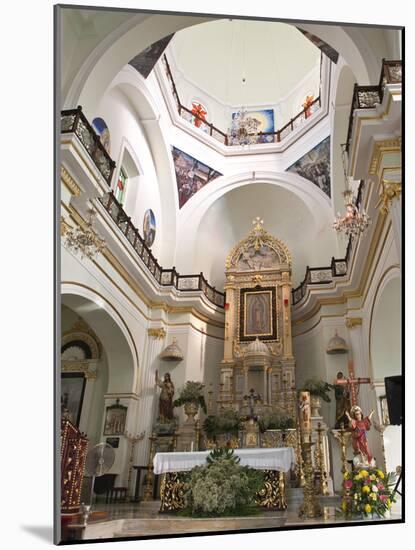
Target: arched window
{"x":120,"y":186}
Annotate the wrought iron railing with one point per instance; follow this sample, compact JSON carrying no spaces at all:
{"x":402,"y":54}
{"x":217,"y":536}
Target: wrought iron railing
{"x":366,"y":97}
{"x":74,"y":121}
{"x":209,"y":128}
{"x":164,"y":277}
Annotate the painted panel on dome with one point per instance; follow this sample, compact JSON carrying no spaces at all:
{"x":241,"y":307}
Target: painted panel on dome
{"x":191,"y":175}
{"x":101,"y":128}
{"x":149,"y":227}
{"x":266,"y":123}
{"x":315,"y":166}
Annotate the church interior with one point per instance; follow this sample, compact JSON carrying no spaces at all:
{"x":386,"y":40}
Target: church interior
{"x":230,"y":273}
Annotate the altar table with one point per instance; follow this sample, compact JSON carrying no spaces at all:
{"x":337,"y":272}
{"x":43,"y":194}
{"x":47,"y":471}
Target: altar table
{"x":274,"y":462}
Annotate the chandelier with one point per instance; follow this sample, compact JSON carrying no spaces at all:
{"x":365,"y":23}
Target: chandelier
{"x":84,"y":240}
{"x":355,"y":221}
{"x":244,"y":129}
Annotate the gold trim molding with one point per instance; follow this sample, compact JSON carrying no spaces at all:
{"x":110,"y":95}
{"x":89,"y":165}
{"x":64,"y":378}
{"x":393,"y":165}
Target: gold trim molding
{"x":79,"y":366}
{"x":352,"y":322}
{"x":389,"y":190}
{"x":379,"y":149}
{"x":157,"y":333}
{"x":69,"y":182}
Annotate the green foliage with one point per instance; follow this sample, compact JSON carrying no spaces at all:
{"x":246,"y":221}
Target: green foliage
{"x":275,"y":421}
{"x":192,"y":392}
{"x":226,"y":423}
{"x":318,"y":388}
{"x":222,"y":486}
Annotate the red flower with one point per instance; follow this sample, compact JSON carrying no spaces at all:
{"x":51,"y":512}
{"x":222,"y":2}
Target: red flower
{"x":348,"y":484}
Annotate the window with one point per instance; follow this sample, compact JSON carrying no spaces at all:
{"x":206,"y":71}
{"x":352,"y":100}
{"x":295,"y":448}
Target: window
{"x":119,"y":191}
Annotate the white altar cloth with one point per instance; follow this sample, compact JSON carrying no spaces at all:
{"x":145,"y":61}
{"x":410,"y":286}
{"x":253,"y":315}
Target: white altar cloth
{"x":281,"y":459}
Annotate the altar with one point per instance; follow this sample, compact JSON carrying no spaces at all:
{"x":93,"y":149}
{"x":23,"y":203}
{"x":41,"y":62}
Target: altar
{"x":274,"y":462}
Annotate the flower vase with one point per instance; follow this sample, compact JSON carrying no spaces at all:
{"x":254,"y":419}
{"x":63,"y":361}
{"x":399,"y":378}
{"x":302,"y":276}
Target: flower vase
{"x":315,"y":403}
{"x":190,"y":410}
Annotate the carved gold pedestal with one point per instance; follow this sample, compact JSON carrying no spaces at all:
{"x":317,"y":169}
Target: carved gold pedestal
{"x":172,"y":491}
{"x":310,"y":507}
{"x":272,"y":495}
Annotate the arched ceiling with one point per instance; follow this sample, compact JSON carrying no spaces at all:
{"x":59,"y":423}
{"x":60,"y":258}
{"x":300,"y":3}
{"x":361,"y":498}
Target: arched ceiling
{"x":285,"y":216}
{"x":273,"y":58}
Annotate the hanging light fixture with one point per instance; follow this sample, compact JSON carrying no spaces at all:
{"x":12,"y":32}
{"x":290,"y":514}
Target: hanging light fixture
{"x":356,"y":220}
{"x":84,"y":240}
{"x":244,"y":128}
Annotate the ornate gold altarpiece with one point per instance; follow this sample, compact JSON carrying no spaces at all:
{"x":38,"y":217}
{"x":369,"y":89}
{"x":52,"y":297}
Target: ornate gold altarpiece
{"x":258,"y":345}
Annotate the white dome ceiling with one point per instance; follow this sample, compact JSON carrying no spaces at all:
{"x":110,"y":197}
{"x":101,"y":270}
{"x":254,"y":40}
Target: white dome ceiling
{"x":285,"y":216}
{"x":273,"y":58}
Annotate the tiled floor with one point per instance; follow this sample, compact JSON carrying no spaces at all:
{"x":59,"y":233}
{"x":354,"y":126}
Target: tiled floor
{"x":143,"y":519}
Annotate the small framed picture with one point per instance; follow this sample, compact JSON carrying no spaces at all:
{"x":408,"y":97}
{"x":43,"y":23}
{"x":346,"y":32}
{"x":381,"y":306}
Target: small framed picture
{"x":384,"y":410}
{"x":115,"y":418}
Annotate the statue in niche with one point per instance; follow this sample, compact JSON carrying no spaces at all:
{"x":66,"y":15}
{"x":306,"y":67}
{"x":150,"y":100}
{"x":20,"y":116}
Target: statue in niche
{"x":359,"y":425}
{"x":165,"y":399}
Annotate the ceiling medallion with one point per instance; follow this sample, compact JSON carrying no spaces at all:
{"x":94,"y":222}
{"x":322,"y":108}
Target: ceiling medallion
{"x":84,"y":240}
{"x":355,"y":221}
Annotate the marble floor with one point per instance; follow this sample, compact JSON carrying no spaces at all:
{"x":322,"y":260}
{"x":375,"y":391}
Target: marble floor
{"x":143,"y":520}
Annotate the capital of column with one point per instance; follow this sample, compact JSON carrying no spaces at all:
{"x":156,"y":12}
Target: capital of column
{"x":352,"y":322}
{"x":389,"y":190}
{"x":157,"y":333}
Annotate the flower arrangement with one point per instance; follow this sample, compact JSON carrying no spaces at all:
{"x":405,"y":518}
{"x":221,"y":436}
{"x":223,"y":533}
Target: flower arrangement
{"x":222,"y":486}
{"x":226,"y":423}
{"x":192,"y":392}
{"x":275,"y":421}
{"x":367,"y":492}
{"x":318,"y":388}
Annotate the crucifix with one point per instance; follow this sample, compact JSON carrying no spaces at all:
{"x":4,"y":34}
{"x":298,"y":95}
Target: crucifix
{"x":351,"y":382}
{"x":252,"y":398}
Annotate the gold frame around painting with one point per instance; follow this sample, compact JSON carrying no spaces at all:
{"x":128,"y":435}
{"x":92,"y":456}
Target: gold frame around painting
{"x":269,"y":329}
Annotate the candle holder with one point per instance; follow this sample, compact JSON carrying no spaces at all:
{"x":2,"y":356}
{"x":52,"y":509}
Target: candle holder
{"x":149,"y":479}
{"x":320,"y":462}
{"x":343,"y":437}
{"x":310,"y":507}
{"x":133,"y":440}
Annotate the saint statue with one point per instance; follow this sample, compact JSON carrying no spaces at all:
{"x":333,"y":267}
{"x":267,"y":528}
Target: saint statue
{"x":165,"y":398}
{"x":342,"y":396}
{"x":359,"y":425}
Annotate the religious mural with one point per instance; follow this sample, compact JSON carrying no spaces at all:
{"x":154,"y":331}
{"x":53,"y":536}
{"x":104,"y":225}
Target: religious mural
{"x":331,"y":53}
{"x":149,"y":227}
{"x":258,"y":316}
{"x":101,"y":128}
{"x":145,"y":60}
{"x":315,"y":166}
{"x":191,"y":175}
{"x":263,"y":258}
{"x":72,"y":395}
{"x":266,"y":123}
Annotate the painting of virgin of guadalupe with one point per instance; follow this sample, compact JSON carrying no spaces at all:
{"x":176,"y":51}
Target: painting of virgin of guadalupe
{"x":258,"y":314}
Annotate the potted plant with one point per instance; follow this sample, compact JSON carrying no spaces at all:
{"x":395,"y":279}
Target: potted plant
{"x":192,"y":397}
{"x":319,"y":390}
{"x":227,"y":424}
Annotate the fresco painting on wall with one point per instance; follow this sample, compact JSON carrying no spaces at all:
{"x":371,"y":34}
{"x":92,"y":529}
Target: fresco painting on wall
{"x":149,"y":227}
{"x":315,"y":166}
{"x":145,"y":60}
{"x":101,"y":128}
{"x":191,"y":175}
{"x":266,"y":123}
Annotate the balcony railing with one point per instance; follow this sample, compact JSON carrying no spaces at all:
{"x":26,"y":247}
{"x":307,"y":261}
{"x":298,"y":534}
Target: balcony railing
{"x":209,"y":128}
{"x":366,"y":97}
{"x":164,"y":277}
{"x":74,"y":121}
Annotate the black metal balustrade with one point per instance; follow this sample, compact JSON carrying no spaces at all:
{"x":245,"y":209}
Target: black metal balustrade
{"x":209,"y":128}
{"x":74,"y":121}
{"x":165,"y":277}
{"x":366,"y":97}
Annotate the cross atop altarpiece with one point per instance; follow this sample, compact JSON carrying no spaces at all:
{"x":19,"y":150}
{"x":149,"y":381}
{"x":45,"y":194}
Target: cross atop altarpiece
{"x":353,"y":383}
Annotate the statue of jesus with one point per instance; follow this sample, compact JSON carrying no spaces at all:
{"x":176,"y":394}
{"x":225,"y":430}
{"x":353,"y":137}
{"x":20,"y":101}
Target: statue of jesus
{"x":359,"y":425}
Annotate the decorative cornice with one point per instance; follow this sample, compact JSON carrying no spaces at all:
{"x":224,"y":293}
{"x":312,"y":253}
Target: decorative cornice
{"x":157,"y":333}
{"x":69,"y":182}
{"x":79,"y":366}
{"x":380,"y":148}
{"x":64,"y":226}
{"x":352,"y":322}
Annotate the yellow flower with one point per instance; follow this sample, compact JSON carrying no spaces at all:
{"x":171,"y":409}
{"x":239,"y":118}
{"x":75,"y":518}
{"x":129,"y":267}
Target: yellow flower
{"x":381,"y":474}
{"x":364,"y":473}
{"x":346,"y":475}
{"x":373,"y":496}
{"x":357,"y":477}
{"x":388,"y":503}
{"x":368,"y":508}
{"x":344,"y":505}
{"x":365,"y":489}
{"x":372,"y":477}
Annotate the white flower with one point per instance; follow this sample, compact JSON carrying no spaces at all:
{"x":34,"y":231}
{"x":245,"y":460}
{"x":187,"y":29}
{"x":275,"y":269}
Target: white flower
{"x":374,"y":489}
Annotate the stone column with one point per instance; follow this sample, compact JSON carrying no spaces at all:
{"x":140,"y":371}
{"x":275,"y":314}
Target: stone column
{"x":148,"y":393}
{"x":230,"y":325}
{"x":246,"y":388}
{"x":90,"y":375}
{"x":286,"y":314}
{"x":269,"y":385}
{"x":265,"y":367}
